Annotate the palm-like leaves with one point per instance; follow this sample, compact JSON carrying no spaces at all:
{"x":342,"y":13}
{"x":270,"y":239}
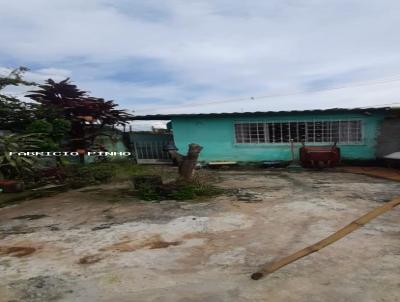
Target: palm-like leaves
{"x":74,"y":104}
{"x":14,"y":166}
{"x":87,"y":114}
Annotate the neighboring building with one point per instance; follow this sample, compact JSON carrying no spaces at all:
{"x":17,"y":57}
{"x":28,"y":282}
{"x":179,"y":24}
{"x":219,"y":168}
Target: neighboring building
{"x":260,"y":136}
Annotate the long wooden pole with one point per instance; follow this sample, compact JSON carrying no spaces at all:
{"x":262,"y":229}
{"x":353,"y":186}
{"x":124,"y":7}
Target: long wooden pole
{"x":272,"y":267}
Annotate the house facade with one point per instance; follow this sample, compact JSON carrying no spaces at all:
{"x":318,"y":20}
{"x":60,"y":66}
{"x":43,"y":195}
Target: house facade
{"x":262,"y":136}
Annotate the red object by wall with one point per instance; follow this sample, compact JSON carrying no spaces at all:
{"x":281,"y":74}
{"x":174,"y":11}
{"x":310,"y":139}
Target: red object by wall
{"x":11,"y":186}
{"x":319,"y":156}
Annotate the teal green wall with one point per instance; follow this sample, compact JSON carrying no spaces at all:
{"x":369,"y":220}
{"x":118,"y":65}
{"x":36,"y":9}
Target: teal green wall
{"x":216,"y":135}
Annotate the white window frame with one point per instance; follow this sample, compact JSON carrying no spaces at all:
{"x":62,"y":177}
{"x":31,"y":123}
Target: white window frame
{"x":277,"y":138}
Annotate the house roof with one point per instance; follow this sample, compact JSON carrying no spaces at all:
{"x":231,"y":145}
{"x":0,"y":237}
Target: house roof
{"x":260,"y":113}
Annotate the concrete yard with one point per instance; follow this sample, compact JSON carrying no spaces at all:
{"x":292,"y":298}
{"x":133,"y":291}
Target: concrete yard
{"x":102,"y":244}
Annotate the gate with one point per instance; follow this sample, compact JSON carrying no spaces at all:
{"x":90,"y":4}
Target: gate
{"x":148,"y":148}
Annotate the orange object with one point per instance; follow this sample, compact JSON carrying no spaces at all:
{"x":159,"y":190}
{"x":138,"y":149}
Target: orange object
{"x":87,"y":118}
{"x":81,"y":151}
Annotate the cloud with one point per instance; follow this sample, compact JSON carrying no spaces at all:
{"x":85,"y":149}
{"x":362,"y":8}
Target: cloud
{"x":177,"y":56}
{"x":54,"y":72}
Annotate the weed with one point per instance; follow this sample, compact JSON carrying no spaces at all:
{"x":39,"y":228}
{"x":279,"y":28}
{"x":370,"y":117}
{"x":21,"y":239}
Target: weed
{"x":177,"y":191}
{"x":148,"y":192}
{"x":186,"y":191}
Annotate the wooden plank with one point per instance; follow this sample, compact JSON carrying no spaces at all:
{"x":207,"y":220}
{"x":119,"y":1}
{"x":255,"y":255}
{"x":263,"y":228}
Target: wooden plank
{"x":221,"y":163}
{"x":272,"y":267}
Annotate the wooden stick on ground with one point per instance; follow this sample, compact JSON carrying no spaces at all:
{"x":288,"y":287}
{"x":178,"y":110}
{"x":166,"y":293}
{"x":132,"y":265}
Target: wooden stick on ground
{"x":270,"y":268}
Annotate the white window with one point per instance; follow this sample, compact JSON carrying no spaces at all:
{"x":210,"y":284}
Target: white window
{"x":343,"y":131}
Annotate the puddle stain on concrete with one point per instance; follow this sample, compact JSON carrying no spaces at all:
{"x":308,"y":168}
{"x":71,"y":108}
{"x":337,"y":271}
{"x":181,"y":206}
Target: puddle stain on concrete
{"x":163,"y":244}
{"x":30,"y":217}
{"x":17,"y":251}
{"x":90,"y":259}
{"x":154,"y":242}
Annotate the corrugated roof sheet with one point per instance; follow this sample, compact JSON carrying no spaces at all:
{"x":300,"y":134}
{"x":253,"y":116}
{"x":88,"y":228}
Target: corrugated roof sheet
{"x":258,"y":113}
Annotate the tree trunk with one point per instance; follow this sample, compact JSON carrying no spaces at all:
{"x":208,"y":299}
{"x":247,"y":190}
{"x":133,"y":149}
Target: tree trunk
{"x":187,"y":163}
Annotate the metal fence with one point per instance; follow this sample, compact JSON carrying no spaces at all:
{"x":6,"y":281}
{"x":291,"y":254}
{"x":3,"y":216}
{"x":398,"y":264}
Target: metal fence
{"x":151,"y":152}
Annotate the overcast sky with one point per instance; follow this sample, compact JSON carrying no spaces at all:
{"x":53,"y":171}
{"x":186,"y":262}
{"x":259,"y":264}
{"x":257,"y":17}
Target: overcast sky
{"x":172,"y":56}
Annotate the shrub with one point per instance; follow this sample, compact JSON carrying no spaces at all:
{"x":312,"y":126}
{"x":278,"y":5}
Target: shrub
{"x":84,"y":175}
{"x":40,"y":126}
{"x":148,"y":192}
{"x":101,"y":173}
{"x":61,"y":127}
{"x":14,"y":166}
{"x":177,"y":191}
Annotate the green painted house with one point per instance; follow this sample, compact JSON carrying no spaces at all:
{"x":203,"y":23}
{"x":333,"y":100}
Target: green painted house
{"x":262,"y":136}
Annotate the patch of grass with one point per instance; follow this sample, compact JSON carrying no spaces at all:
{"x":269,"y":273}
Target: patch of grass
{"x":125,"y":170}
{"x":187,"y":191}
{"x":148,"y":192}
{"x":79,"y":176}
{"x":122,"y":169}
{"x":178,"y":191}
{"x":119,"y":170}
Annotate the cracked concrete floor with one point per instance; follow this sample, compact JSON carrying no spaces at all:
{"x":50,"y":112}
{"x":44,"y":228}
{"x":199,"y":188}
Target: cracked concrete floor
{"x":101,"y":244}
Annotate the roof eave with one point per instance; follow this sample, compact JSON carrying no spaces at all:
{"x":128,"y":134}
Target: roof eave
{"x":258,"y":113}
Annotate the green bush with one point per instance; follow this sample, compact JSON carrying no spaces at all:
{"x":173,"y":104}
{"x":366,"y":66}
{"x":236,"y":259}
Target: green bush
{"x":50,"y":133}
{"x":61,"y":127}
{"x":84,"y":175}
{"x":14,"y":166}
{"x":102,"y":172}
{"x":148,"y":192}
{"x":40,"y":126}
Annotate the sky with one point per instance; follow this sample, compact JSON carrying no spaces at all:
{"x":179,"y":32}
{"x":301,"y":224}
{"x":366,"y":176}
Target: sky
{"x":193,"y":56}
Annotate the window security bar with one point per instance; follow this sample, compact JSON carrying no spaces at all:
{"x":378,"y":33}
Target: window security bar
{"x":341,"y":131}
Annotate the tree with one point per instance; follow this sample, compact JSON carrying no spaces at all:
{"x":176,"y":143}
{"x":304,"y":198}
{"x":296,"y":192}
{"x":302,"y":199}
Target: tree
{"x":87,"y":115}
{"x":186,"y":163}
{"x":15,"y":114}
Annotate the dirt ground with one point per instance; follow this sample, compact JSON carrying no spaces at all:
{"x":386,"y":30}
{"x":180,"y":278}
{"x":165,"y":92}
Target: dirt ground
{"x":101,"y":244}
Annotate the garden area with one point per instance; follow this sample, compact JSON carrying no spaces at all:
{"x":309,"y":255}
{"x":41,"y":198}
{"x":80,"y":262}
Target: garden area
{"x":46,"y":137}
